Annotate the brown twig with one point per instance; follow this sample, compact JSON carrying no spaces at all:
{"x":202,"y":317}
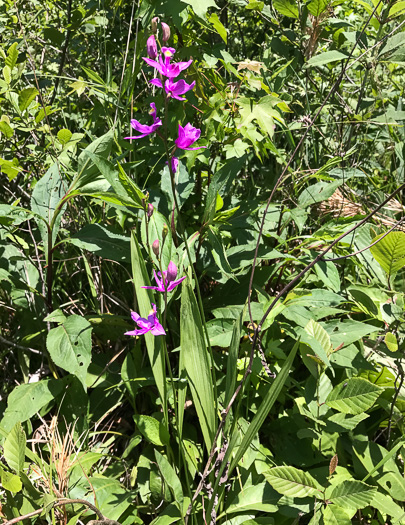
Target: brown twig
{"x":59,"y":503}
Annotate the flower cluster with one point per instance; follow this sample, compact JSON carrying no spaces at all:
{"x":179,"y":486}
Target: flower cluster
{"x":168,"y":71}
{"x":165,"y":283}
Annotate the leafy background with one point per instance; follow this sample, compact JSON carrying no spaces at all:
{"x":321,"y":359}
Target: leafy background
{"x":141,"y":428}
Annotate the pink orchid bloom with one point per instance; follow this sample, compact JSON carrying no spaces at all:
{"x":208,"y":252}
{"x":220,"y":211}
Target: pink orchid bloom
{"x":151,"y":324}
{"x":164,"y":67}
{"x":143,"y":128}
{"x":174,"y":89}
{"x":187,"y":136}
{"x":168,"y":280}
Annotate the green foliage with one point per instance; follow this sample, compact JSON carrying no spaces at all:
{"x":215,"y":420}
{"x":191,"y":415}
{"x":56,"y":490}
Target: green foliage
{"x":232,"y":416}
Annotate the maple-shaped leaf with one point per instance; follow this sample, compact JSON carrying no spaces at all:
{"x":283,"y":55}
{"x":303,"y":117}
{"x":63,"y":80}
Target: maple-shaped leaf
{"x":264,"y":112}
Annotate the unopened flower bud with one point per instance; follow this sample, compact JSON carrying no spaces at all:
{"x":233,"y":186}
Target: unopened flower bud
{"x":155,"y":247}
{"x":151,"y":47}
{"x":165,"y":231}
{"x":154,"y":24}
{"x":165,"y":32}
{"x":149,"y":212}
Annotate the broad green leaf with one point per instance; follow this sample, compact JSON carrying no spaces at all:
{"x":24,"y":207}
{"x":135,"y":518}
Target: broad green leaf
{"x":197,"y":363}
{"x":14,"y":448}
{"x":200,"y":7}
{"x":144,"y":299}
{"x":259,"y":497}
{"x":12,"y":55}
{"x":7,"y":74}
{"x":321,"y":336}
{"x":317,"y":7}
{"x":354,"y":396}
{"x":103,"y":242}
{"x":218,"y":252}
{"x":219,"y":28}
{"x":28,"y":399}
{"x":386,"y":505}
{"x":26,"y":96}
{"x":264,"y":408}
{"x":45,"y":201}
{"x":171,"y":478}
{"x":184,"y":185}
{"x":294,"y":482}
{"x":64,"y":135}
{"x":152,"y":429}
{"x":329,"y":274}
{"x":87,"y":172}
{"x":375,"y":458}
{"x":286,"y":7}
{"x":6,"y":129}
{"x":113,"y":500}
{"x":318,"y":192}
{"x":335,"y":515}
{"x":69,"y":346}
{"x":10,"y":482}
{"x":326,"y":58}
{"x":391,"y":342}
{"x":393,"y":42}
{"x":390,"y":251}
{"x":397,"y":9}
{"x":263,"y":111}
{"x":344,"y":422}
{"x":351,"y":494}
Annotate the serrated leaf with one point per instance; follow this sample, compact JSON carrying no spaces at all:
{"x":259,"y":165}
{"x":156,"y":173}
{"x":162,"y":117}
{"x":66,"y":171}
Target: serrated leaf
{"x":286,"y":7}
{"x":152,"y":429}
{"x":354,"y":396}
{"x":293,"y":482}
{"x":14,"y":448}
{"x":390,"y":251}
{"x":263,"y":111}
{"x":335,"y":515}
{"x":69,"y":346}
{"x":26,"y":96}
{"x":317,"y":332}
{"x":259,"y":497}
{"x":12,"y":56}
{"x":352,"y":494}
{"x":64,"y":135}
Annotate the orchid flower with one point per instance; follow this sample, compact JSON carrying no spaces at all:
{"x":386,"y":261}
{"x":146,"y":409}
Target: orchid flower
{"x":151,"y":324}
{"x":151,"y":47}
{"x":168,"y":281}
{"x":174,"y":89}
{"x":164,"y":67}
{"x":187,"y":136}
{"x":143,"y":128}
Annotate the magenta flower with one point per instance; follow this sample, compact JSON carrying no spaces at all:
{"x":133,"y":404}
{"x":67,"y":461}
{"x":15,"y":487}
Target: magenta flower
{"x":174,"y":89}
{"x":175,"y":164}
{"x":151,"y":324}
{"x":168,"y":279}
{"x":187,"y":136}
{"x":151,"y":47}
{"x":144,"y":129}
{"x":164,"y":67}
